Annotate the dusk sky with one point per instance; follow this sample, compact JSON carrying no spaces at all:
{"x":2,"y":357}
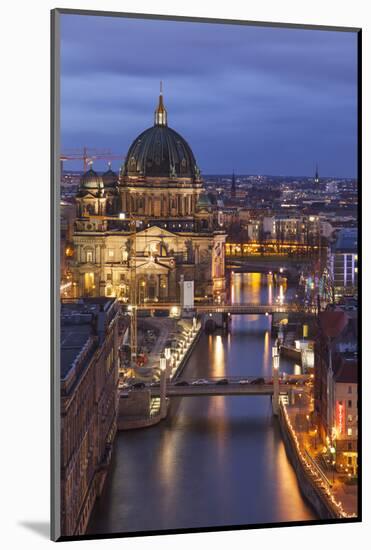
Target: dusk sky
{"x":257,"y":100}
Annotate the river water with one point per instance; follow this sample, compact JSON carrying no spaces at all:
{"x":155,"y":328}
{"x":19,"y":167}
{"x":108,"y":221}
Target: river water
{"x":215,"y":461}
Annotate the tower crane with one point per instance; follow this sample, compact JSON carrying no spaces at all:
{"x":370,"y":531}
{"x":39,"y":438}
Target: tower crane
{"x":88,"y":154}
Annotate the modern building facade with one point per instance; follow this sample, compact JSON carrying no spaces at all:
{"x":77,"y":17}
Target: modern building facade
{"x":336,"y":385}
{"x":89,"y":401}
{"x":344,"y":262}
{"x":346,"y":413}
{"x":154,"y":216}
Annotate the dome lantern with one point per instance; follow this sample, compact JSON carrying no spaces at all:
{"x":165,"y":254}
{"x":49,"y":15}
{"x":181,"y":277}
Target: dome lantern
{"x":160,"y":112}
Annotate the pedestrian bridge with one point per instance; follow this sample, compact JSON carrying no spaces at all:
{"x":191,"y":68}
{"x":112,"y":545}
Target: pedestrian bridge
{"x":227,"y":386}
{"x":233,"y":309}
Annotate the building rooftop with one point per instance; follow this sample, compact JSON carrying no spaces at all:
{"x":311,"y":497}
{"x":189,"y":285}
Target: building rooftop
{"x":74,"y":338}
{"x":347,"y":370}
{"x":79,"y":331}
{"x":347,"y":240}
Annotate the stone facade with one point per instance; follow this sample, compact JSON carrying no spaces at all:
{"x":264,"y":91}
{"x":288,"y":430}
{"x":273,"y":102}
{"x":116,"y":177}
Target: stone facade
{"x":89,"y":402}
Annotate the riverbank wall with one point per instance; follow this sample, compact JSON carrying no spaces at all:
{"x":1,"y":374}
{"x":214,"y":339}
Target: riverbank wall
{"x":314,"y":496}
{"x":187,"y":354}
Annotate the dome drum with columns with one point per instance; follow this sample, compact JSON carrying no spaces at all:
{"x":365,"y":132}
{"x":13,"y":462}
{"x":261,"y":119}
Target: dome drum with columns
{"x":161,"y":185}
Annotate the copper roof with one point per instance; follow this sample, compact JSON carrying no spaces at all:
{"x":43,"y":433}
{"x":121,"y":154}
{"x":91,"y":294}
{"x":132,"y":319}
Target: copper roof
{"x":333,"y":322}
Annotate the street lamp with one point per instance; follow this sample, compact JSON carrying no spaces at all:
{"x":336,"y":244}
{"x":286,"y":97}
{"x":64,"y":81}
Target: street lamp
{"x":162,"y":386}
{"x":275,"y":365}
{"x":167,"y":359}
{"x":333,"y":451}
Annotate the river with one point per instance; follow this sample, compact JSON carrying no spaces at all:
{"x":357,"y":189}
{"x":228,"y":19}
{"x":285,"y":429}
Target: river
{"x":215,"y":461}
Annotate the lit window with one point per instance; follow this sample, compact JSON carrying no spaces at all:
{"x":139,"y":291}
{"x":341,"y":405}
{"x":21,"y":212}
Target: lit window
{"x":89,"y":256}
{"x":350,"y":418}
{"x":350,"y":431}
{"x":111,"y":253}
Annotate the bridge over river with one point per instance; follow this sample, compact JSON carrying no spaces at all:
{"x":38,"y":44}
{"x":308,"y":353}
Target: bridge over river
{"x":233,"y":309}
{"x":227,"y":386}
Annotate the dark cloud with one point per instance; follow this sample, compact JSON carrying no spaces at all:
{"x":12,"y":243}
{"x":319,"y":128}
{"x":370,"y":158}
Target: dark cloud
{"x":257,"y":99}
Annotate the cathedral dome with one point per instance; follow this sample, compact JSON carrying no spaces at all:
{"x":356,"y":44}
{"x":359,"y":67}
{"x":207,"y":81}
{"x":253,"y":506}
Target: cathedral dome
{"x":203,"y":201}
{"x":160,"y":151}
{"x":110,"y":178}
{"x":91,"y":181}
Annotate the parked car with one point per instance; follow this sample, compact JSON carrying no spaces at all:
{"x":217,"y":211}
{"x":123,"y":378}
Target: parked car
{"x":139,"y":386}
{"x":258,"y":381}
{"x":221,"y":382}
{"x":200,"y":382}
{"x":181,"y":383}
{"x":154,"y":384}
{"x":244,"y":382}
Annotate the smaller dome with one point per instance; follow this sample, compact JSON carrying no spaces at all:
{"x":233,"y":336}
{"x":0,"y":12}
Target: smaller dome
{"x":91,"y":181}
{"x":110,"y":178}
{"x":203,"y":201}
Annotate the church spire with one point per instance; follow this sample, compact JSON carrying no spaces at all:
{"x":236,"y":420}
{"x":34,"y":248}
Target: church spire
{"x":233,"y":186}
{"x":316,"y":177}
{"x":160,"y":113}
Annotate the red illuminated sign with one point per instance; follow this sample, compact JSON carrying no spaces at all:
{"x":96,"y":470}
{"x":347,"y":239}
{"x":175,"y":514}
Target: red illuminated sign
{"x":340,"y":417}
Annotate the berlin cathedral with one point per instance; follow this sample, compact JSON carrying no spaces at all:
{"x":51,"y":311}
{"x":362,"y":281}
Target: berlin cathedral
{"x":155,"y":214}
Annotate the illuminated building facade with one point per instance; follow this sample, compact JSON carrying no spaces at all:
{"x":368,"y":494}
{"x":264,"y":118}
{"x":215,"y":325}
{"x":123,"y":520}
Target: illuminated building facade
{"x":89,"y":400}
{"x":344,"y":262}
{"x":346,"y":414}
{"x":336,"y":386}
{"x":160,"y":187}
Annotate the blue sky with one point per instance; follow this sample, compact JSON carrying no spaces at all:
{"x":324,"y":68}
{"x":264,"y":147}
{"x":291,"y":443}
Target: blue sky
{"x":258,"y":100}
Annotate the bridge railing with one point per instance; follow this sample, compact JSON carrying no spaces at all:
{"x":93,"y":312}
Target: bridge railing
{"x":234,"y":380}
{"x":233,"y":308}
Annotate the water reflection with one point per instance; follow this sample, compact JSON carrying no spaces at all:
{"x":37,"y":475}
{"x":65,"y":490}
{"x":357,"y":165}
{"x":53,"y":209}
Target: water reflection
{"x":218,"y":356}
{"x":267,"y":353}
{"x":215,"y":460}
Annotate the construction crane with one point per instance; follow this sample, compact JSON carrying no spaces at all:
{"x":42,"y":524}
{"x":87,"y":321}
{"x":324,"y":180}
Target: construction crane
{"x":88,"y":154}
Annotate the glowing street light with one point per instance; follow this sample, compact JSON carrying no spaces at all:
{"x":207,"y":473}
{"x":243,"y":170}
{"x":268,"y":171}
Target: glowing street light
{"x":275,"y":365}
{"x":162,"y":386}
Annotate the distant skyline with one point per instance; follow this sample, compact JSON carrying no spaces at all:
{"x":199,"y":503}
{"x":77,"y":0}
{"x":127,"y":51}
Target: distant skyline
{"x":256,"y":100}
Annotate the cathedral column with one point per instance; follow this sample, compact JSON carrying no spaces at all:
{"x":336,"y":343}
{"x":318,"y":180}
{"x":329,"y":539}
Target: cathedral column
{"x":189,"y":198}
{"x":172,"y":285}
{"x":158,"y":277}
{"x":164,"y":205}
{"x":81,"y":284}
{"x":145,"y":205}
